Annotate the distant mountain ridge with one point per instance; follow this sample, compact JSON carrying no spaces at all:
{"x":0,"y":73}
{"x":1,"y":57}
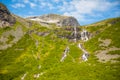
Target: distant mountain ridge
{"x":59,"y":20}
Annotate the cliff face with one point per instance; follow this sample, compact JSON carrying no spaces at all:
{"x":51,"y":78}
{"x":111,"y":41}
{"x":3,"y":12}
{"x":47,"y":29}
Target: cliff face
{"x":59,"y":20}
{"x":70,"y":21}
{"x":6,"y":19}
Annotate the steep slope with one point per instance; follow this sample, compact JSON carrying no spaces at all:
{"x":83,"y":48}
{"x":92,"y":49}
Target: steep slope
{"x":11,"y":34}
{"x":105,"y":39}
{"x":37,"y":54}
{"x":59,"y":20}
{"x":98,"y":27}
{"x":25,"y":46}
{"x":6,"y":18}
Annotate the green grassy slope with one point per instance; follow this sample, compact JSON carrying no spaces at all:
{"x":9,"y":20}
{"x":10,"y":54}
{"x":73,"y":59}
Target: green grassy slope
{"x":108,"y":32}
{"x":32,"y":51}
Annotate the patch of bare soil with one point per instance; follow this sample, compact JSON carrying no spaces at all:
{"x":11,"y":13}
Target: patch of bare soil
{"x":105,"y":42}
{"x":104,"y":57}
{"x":18,"y":33}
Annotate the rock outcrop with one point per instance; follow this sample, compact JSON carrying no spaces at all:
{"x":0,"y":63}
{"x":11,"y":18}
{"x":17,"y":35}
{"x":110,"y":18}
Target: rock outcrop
{"x":59,"y":20}
{"x":6,"y":18}
{"x":85,"y":35}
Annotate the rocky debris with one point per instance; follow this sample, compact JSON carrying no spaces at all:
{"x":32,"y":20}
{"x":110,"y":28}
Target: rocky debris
{"x":105,"y":42}
{"x":17,"y":34}
{"x":42,"y":33}
{"x":64,"y":54}
{"x":59,"y":20}
{"x":104,"y":57}
{"x":6,"y":19}
{"x":85,"y":53}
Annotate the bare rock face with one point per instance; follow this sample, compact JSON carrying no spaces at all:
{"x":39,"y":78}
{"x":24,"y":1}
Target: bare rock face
{"x":6,"y":19}
{"x":59,"y":20}
{"x":70,"y":21}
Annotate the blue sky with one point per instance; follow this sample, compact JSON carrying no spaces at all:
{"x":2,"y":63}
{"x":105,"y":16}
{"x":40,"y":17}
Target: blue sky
{"x":85,"y":11}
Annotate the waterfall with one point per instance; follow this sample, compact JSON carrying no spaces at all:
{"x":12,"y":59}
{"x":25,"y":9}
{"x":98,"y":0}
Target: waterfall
{"x":75,"y":34}
{"x":84,"y":35}
{"x":64,"y":54}
{"x":85,"y":53}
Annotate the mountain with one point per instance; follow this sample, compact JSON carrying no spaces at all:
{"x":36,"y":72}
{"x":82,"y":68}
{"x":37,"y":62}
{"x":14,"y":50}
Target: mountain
{"x":6,"y":18}
{"x":59,"y":20}
{"x":30,"y":51}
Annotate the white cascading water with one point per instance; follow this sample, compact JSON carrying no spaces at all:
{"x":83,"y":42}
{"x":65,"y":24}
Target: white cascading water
{"x":75,"y":34}
{"x":64,"y":54}
{"x":85,"y":53}
{"x":84,"y":35}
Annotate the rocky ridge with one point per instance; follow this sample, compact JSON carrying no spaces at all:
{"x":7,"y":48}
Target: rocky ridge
{"x":6,"y":18}
{"x":59,"y":20}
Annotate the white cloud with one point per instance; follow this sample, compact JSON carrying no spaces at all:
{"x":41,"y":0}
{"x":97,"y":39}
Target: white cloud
{"x":81,"y":8}
{"x":87,"y":6}
{"x":46,"y":5}
{"x":32,"y":4}
{"x":18,"y":5}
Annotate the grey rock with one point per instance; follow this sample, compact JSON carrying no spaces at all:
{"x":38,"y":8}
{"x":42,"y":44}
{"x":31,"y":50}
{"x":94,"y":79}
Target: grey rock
{"x":59,"y":20}
{"x":70,"y":21}
{"x":6,"y":19}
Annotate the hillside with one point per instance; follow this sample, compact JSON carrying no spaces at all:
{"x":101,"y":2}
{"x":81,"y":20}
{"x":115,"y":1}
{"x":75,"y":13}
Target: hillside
{"x":105,"y":39}
{"x":30,"y":51}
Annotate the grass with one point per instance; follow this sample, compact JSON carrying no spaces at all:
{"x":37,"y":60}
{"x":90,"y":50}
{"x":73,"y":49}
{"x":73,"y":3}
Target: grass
{"x":114,"y":52}
{"x":9,"y":56}
{"x":111,"y":32}
{"x":4,"y":29}
{"x":10,"y":38}
{"x":25,"y":57}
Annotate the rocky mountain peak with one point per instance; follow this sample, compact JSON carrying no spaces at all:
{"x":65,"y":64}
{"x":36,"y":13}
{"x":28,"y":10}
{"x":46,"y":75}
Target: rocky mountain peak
{"x":6,"y":19}
{"x":59,"y":20}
